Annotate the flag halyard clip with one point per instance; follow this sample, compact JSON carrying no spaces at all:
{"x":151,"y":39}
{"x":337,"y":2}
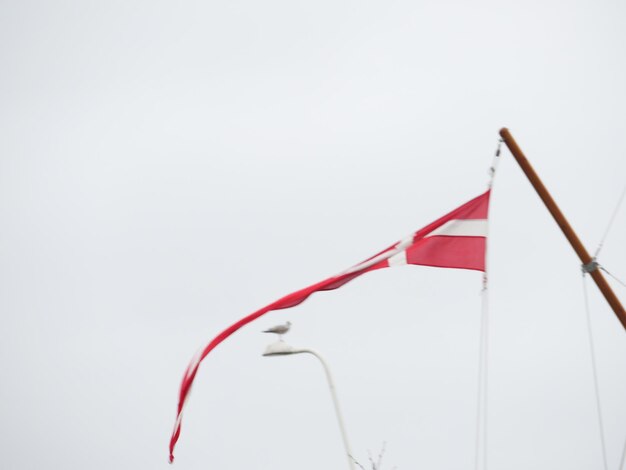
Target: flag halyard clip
{"x":494,"y":163}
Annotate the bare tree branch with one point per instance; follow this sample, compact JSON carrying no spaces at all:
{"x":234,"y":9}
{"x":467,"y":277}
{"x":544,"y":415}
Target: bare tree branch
{"x":357,"y":462}
{"x":380,"y":456}
{"x":375,"y":465}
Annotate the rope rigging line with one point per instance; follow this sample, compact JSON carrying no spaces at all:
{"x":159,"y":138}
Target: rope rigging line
{"x":485,"y":307}
{"x":483,"y":354}
{"x":595,"y":371}
{"x":618,"y":280}
{"x":611,"y":220}
{"x":594,"y":264}
{"x":480,"y":405}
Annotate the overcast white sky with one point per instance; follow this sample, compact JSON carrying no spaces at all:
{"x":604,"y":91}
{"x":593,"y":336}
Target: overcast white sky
{"x":168,"y":167}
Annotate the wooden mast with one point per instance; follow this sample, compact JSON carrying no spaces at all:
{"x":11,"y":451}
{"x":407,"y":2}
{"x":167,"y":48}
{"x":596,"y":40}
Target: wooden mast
{"x":589,"y":264}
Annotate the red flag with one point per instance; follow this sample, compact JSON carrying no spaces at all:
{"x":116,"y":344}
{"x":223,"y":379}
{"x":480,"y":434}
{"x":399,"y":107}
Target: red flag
{"x":456,"y":240}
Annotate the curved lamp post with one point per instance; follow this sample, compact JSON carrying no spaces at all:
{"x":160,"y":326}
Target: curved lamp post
{"x":280,"y":348}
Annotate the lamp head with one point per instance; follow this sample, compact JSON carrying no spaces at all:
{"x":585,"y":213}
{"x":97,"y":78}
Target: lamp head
{"x":279,"y":348}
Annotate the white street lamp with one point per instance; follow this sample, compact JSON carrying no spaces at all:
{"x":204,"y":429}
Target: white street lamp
{"x":280,"y":348}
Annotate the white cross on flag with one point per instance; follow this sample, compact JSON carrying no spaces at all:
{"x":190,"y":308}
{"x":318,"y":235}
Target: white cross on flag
{"x":456,"y":240}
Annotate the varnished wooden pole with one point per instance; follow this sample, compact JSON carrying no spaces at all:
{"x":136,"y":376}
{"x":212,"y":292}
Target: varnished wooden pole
{"x":560,"y":219}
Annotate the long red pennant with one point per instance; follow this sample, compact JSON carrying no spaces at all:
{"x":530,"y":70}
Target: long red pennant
{"x":456,"y":240}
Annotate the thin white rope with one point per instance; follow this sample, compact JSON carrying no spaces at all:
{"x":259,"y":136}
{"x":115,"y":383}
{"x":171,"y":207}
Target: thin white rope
{"x":479,"y":396}
{"x":618,"y":280}
{"x":486,"y":378}
{"x":608,"y":228}
{"x":595,"y":372}
{"x":483,"y":363}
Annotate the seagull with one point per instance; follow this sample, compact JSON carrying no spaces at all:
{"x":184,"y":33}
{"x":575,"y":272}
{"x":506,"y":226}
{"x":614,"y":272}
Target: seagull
{"x":280,"y":330}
